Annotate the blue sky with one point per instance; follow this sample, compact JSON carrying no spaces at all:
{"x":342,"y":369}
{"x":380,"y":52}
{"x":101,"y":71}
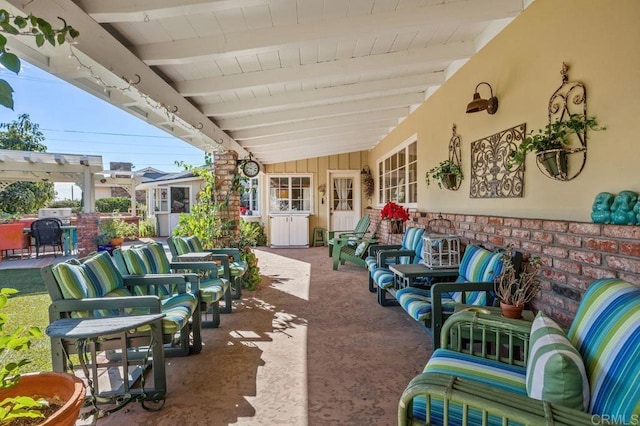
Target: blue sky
{"x":76,"y":122}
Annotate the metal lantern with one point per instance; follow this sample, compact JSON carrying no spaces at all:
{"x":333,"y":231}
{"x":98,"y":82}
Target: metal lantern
{"x":441,"y":251}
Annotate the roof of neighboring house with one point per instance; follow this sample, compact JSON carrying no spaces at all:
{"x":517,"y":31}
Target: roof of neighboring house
{"x":163,"y":177}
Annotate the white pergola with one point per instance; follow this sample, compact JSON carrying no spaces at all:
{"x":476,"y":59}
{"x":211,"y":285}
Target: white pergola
{"x":83,"y":170}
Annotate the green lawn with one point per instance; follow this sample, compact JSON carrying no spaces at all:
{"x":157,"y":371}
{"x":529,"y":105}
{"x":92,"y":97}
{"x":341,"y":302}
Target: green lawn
{"x":27,"y":308}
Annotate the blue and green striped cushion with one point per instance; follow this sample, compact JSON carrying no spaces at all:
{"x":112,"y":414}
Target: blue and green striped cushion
{"x":142,"y":260}
{"x":417,"y":302}
{"x":412,"y":240}
{"x":103,"y":274}
{"x":383,"y":277}
{"x":136,"y":262}
{"x":477,"y":265}
{"x":182,"y":247}
{"x":606,"y":332}
{"x":73,"y":281}
{"x":157,"y":257}
{"x":555,"y":371}
{"x":236,"y":269}
{"x":178,"y":308}
{"x":212,"y":289}
{"x":489,"y":372}
{"x":194,"y":244}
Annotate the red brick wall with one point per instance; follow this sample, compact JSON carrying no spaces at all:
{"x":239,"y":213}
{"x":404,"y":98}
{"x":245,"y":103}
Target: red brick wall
{"x":87,"y":224}
{"x":225,"y":165}
{"x":573,"y":253}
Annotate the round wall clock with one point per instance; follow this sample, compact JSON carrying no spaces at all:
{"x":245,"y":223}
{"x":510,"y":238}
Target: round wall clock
{"x":250,"y":168}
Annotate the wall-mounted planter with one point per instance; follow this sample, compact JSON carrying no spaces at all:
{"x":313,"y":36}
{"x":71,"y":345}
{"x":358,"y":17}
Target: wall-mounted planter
{"x":554,"y":162}
{"x":450,"y":181}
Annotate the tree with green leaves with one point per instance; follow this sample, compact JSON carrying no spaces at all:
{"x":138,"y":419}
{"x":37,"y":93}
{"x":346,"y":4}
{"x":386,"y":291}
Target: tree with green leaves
{"x":24,"y":197}
{"x":205,"y":222}
{"x":32,"y":26}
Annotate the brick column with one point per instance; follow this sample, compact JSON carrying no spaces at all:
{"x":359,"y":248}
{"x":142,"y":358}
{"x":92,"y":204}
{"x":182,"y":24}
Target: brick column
{"x":87,"y":229}
{"x":225,"y":169}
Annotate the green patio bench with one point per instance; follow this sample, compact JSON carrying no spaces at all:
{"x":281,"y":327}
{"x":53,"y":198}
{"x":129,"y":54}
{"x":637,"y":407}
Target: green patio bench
{"x":151,"y":258}
{"x":586,"y":376}
{"x":94,"y":287}
{"x":233,"y":270}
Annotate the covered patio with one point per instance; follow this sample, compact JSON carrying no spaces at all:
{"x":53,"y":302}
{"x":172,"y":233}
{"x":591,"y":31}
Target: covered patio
{"x":309,"y":347}
{"x":316,"y":101}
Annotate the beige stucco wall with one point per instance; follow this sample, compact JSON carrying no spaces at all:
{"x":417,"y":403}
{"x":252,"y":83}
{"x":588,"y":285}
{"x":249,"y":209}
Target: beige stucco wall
{"x":598,"y":39}
{"x":318,"y":167}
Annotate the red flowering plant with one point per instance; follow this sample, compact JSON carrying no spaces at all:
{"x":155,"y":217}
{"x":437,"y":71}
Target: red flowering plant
{"x":393,"y":211}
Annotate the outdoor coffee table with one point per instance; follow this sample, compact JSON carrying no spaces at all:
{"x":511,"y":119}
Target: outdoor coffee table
{"x":90,"y":330}
{"x":196,"y":256}
{"x":406,"y":274}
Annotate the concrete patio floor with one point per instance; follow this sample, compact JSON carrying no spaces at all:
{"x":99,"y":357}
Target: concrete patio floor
{"x":310,"y":346}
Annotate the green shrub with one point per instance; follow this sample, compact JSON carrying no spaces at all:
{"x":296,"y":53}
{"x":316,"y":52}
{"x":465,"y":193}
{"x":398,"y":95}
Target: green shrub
{"x":147,"y":227}
{"x":252,"y":233}
{"x":113,"y":204}
{"x":76,"y":205}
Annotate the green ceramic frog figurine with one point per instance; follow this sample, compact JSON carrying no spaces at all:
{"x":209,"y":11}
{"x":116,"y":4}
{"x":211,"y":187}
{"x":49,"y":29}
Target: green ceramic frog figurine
{"x":622,"y":208}
{"x":601,"y":209}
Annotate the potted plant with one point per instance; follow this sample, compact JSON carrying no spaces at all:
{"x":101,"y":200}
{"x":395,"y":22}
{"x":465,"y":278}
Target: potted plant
{"x":102,"y":242}
{"x":50,"y":398}
{"x":447,"y":174}
{"x":117,"y":229}
{"x":396,"y":215}
{"x":551,"y":143}
{"x":515,"y":290}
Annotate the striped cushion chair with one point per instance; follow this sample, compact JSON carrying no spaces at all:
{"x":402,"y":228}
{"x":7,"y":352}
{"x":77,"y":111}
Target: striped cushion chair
{"x":232,"y":270}
{"x":98,"y":278}
{"x":590,"y":375}
{"x":478,"y":265}
{"x":383,"y":255}
{"x":152,"y":259}
{"x":380,"y":276}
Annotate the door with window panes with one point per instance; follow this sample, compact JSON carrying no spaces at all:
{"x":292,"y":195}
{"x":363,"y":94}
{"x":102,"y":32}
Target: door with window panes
{"x":344,"y":200}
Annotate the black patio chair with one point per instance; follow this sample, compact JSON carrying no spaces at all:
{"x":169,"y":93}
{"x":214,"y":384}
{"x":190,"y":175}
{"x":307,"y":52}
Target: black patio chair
{"x":47,"y":232}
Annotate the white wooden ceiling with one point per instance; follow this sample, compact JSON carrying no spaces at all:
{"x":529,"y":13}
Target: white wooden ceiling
{"x":283,"y":79}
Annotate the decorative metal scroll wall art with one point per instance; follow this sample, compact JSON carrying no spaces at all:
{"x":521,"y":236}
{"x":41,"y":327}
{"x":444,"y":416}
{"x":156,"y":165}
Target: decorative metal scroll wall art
{"x":566,"y":163}
{"x":490,"y":176}
{"x":455,"y":158}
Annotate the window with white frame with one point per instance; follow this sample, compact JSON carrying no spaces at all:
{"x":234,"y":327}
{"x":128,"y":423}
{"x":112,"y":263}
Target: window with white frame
{"x":161,"y":200}
{"x":249,"y":198}
{"x":291,"y":193}
{"x":398,"y":175}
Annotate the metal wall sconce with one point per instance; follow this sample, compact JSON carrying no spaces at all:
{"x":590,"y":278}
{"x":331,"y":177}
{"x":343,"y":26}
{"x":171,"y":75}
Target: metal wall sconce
{"x":323,"y":191}
{"x":479,"y":104}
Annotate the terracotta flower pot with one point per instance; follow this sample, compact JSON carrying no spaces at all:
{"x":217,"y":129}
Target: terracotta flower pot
{"x":65,"y":386}
{"x":116,"y":241}
{"x":511,"y":311}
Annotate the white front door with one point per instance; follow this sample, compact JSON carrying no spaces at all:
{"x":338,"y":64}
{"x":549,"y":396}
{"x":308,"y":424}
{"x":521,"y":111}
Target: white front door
{"x":344,"y":200}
